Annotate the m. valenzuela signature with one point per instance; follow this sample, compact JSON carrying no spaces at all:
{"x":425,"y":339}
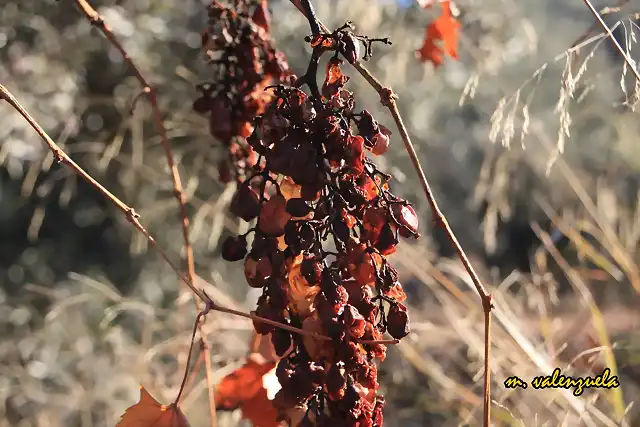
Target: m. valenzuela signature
{"x":558,"y":380}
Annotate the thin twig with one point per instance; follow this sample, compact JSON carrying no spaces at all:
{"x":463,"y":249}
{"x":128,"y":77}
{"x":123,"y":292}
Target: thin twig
{"x":178,"y":191}
{"x":389,"y":100}
{"x":192,"y":377}
{"x":583,"y":37}
{"x":196,"y":325}
{"x":630,"y":62}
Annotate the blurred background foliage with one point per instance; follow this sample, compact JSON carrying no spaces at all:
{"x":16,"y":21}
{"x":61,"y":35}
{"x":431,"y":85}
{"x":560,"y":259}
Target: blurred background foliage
{"x":87,"y":312}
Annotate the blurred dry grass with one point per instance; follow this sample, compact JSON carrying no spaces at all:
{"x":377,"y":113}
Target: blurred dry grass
{"x":86,"y":314}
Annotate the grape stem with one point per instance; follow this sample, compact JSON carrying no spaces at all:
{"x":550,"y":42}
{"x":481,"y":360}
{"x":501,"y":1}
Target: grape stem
{"x":310,"y":76}
{"x":389,"y":100}
{"x":310,"y":13}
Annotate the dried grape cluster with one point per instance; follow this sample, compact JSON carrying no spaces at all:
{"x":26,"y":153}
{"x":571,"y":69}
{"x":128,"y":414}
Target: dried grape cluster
{"x":325,"y":220}
{"x":238,"y":45}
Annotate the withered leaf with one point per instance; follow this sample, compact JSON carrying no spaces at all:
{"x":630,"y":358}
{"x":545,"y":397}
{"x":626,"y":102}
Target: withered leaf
{"x":244,"y":388}
{"x":148,"y":412}
{"x":441,"y":37}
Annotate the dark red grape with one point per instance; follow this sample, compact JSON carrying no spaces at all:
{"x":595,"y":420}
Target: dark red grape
{"x":234,"y":248}
{"x":298,"y":207}
{"x":245,"y":203}
{"x":398,"y":321}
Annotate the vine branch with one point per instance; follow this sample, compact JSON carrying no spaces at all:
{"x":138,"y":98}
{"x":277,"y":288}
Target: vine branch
{"x":630,"y":62}
{"x":178,"y":191}
{"x":389,"y":100}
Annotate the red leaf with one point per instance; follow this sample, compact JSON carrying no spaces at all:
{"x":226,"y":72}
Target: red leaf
{"x":148,"y":412}
{"x":262,"y":17}
{"x":260,"y":411}
{"x":244,"y":389}
{"x":441,"y":37}
{"x":334,"y":79}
